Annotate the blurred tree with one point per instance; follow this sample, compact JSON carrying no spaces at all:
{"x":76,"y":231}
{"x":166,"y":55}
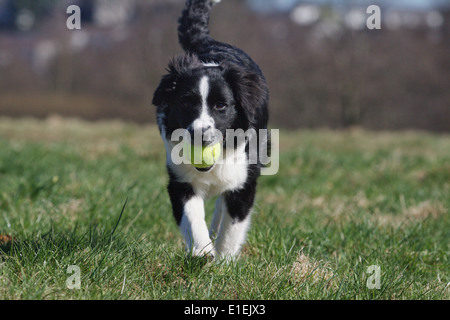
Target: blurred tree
{"x":319,"y":75}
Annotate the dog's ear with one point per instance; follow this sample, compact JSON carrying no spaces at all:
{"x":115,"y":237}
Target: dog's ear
{"x":180,"y":65}
{"x":250,"y":93}
{"x":163,"y":93}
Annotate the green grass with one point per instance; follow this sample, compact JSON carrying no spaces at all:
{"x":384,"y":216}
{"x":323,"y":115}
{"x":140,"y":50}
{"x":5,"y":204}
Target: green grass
{"x":341,"y":202}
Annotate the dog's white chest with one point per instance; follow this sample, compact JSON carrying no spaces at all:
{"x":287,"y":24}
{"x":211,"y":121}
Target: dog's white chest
{"x":223,"y":177}
{"x":227,"y":175}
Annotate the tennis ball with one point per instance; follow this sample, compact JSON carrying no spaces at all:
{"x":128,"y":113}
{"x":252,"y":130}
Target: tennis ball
{"x":202,"y":157}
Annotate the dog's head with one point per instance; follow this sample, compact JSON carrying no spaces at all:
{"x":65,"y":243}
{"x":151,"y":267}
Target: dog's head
{"x":205,"y":98}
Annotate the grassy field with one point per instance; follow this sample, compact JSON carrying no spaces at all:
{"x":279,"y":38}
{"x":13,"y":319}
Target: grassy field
{"x":93,"y":195}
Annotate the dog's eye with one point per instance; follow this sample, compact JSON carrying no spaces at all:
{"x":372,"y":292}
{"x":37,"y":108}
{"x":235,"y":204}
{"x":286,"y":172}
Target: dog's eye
{"x":220,"y":106}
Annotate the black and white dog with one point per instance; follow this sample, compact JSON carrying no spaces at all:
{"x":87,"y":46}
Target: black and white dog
{"x":212,"y":86}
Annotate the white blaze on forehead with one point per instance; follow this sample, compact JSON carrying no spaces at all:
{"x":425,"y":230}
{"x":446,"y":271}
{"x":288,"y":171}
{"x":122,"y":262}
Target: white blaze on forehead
{"x":211,"y":64}
{"x":204,"y":90}
{"x":204,"y":120}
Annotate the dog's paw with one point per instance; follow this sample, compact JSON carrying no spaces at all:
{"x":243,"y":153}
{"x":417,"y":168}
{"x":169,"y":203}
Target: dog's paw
{"x":226,"y":258}
{"x":208,"y":253}
{"x":214,"y":1}
{"x":202,"y":259}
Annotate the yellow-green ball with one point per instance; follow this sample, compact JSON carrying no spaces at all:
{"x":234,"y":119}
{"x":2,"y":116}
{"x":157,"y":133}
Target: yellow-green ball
{"x":202,"y":157}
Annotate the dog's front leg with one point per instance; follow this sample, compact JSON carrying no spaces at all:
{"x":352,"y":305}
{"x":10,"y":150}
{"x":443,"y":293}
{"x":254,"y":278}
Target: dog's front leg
{"x":217,"y":218}
{"x":189,"y":212}
{"x":237,"y":206}
{"x":231,"y":236}
{"x":194,"y":229}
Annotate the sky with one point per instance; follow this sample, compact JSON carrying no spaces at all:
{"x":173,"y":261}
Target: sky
{"x":283,"y":5}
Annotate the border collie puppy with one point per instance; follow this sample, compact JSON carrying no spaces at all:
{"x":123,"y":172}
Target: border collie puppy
{"x":210,"y":88}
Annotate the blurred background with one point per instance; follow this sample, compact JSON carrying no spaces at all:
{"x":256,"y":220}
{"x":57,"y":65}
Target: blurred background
{"x":324,"y":67}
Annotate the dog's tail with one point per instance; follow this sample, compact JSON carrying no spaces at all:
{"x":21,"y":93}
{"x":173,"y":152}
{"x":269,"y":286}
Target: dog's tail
{"x":193,"y":31}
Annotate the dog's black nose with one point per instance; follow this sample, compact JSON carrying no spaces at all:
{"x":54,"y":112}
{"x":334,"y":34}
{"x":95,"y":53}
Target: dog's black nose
{"x":204,"y":136}
{"x":206,"y":129}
